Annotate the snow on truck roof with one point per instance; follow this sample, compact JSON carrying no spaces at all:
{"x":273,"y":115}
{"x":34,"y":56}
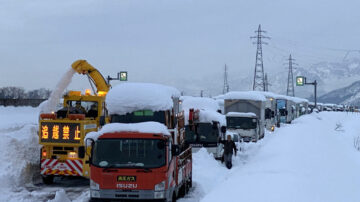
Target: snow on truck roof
{"x":130,"y":97}
{"x":143,"y":127}
{"x":208,"y":109}
{"x":241,"y":114}
{"x":243,"y":95}
{"x":205,"y":103}
{"x":207,"y":116}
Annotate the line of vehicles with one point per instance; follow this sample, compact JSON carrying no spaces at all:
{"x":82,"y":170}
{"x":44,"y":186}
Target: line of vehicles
{"x":134,"y":141}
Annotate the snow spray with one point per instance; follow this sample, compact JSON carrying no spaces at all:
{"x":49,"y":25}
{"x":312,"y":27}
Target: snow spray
{"x":56,"y":94}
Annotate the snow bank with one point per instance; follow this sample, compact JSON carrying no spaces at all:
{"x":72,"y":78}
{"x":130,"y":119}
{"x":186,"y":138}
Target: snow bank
{"x":241,"y":114}
{"x":130,"y":97}
{"x":56,"y":94}
{"x":11,"y":117}
{"x":305,"y":161}
{"x":244,"y":95}
{"x":19,"y":155}
{"x":144,"y":127}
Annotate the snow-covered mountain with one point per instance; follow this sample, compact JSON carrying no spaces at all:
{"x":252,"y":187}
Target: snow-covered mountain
{"x":347,"y":95}
{"x":329,"y":75}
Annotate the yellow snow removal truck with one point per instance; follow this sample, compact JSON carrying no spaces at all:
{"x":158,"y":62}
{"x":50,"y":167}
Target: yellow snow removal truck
{"x":62,"y":133}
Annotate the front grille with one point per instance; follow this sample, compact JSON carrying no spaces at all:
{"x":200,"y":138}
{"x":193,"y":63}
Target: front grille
{"x":69,"y":148}
{"x":58,"y":148}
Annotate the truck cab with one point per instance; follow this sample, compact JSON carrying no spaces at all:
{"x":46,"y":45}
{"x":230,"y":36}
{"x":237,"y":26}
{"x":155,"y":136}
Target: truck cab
{"x":141,"y":154}
{"x":245,"y":124}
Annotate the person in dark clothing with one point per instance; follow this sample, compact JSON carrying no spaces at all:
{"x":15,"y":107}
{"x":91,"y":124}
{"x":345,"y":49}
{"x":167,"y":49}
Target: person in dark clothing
{"x":229,"y":147}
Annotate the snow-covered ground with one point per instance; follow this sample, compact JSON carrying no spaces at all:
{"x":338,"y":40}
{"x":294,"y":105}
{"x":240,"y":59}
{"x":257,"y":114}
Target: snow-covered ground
{"x":313,"y":159}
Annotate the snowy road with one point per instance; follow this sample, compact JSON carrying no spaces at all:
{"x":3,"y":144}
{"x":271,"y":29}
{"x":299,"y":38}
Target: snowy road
{"x":306,"y":161}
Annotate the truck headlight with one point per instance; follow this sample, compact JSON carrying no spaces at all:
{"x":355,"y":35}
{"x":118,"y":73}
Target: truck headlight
{"x":160,"y":186}
{"x":159,"y":194}
{"x":94,"y":194}
{"x":94,"y":185}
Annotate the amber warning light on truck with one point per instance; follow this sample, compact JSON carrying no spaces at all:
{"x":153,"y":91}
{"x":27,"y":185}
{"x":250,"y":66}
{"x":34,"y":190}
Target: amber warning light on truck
{"x":60,"y":132}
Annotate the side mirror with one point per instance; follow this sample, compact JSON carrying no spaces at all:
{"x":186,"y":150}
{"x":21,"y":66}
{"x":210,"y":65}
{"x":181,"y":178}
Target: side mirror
{"x":175,"y":150}
{"x":89,"y":142}
{"x":286,"y":112}
{"x":81,"y":152}
{"x":102,"y":120}
{"x":223,"y":129}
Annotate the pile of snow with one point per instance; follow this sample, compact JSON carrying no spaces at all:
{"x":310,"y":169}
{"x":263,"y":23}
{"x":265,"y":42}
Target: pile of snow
{"x":244,"y":95}
{"x":130,"y":97}
{"x":19,"y":149}
{"x":144,"y":127}
{"x":205,"y":103}
{"x":241,"y":114}
{"x":50,"y":105}
{"x":60,"y":197}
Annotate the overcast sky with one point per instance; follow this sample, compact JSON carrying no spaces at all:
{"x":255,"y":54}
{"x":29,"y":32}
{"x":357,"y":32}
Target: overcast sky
{"x":168,"y":41}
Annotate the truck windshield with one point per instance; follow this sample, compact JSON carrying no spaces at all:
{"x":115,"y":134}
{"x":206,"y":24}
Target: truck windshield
{"x":140,"y":116}
{"x":201,"y":133}
{"x":241,"y":122}
{"x":129,"y":153}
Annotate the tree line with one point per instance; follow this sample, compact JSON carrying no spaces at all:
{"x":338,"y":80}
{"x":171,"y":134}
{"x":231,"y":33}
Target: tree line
{"x":12,"y":92}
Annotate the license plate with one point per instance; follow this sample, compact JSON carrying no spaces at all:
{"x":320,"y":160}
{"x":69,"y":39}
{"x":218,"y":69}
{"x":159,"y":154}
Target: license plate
{"x":126,"y":178}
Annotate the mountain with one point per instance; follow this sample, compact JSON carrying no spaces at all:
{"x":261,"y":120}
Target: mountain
{"x":348,"y":95}
{"x":329,"y":75}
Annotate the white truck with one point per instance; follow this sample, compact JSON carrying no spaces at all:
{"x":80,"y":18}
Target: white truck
{"x":203,"y":124}
{"x":287,"y":108}
{"x":249,"y":121}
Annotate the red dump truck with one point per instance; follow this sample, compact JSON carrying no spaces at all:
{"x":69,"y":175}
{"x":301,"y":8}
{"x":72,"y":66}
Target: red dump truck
{"x":141,"y":154}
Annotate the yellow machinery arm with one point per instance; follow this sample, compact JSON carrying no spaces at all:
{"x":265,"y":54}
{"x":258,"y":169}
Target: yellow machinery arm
{"x":83,"y":67}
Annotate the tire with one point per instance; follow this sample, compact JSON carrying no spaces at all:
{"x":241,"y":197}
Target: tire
{"x":173,"y":197}
{"x":48,"y":179}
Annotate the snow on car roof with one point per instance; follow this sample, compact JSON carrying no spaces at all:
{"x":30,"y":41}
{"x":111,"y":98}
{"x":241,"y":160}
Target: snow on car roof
{"x":241,"y":114}
{"x":130,"y":97}
{"x":244,"y":95}
{"x":143,"y":127}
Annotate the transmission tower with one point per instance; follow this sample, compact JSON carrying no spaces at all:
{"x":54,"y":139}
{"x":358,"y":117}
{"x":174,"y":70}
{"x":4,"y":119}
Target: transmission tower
{"x":266,"y":83}
{"x":226,"y":84}
{"x":290,"y":85}
{"x":259,"y":78}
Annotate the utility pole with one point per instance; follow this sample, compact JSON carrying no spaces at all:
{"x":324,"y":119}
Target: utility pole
{"x":259,"y":78}
{"x":226,"y":84}
{"x":201,"y":93}
{"x":290,"y":85}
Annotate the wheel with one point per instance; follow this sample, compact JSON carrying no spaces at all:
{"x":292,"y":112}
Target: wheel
{"x":48,"y":179}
